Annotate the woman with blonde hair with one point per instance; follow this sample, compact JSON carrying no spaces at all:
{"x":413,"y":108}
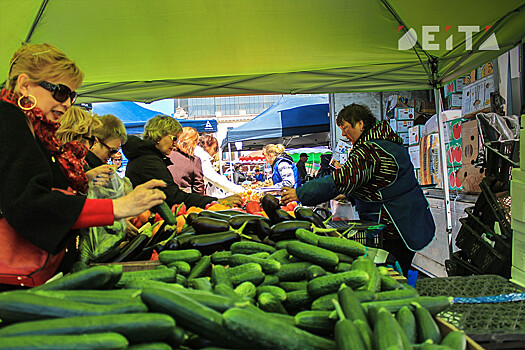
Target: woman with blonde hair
{"x":285,"y":171}
{"x":187,"y":169}
{"x":148,"y":158}
{"x":35,"y":172}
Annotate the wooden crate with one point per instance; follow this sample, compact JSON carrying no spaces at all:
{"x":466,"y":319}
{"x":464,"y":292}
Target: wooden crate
{"x":446,"y":328}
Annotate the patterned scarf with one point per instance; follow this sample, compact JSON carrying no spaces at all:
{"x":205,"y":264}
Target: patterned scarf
{"x":70,"y":156}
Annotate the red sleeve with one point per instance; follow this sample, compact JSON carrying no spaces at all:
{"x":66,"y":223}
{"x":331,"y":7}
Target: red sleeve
{"x":96,"y":212}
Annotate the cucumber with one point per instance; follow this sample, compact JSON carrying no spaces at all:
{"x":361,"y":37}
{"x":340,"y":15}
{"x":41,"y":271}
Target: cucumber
{"x":270,"y":280}
{"x":293,"y":271}
{"x":101,"y":297}
{"x":95,"y":277}
{"x":406,"y":319}
{"x":277,"y":292}
{"x":195,"y":317}
{"x":433,"y":304}
{"x":58,"y":342}
{"x":318,"y":322}
{"x":261,"y":255}
{"x":24,"y":306}
{"x":177,"y":337}
{"x":331,"y":283}
{"x":191,"y":256}
{"x":226,"y":291}
{"x":342,"y":245}
{"x":342,"y":267}
{"x":201,"y":268}
{"x":164,"y":275}
{"x":267,"y":332}
{"x":282,"y":244}
{"x":221,"y":258}
{"x":246,"y":290}
{"x":248,"y":247}
{"x":256,"y":277}
{"x":386,"y":334}
{"x":307,"y":236}
{"x":426,"y":326}
{"x":165,"y":213}
{"x":350,"y":304}
{"x":347,"y":336}
{"x":151,"y":346}
{"x":365,"y":332}
{"x":297,"y":300}
{"x":269,"y":303}
{"x":388,"y":283}
{"x":141,"y":284}
{"x":201,"y":283}
{"x":139,"y":327}
{"x":314,"y":271}
{"x":180,"y":279}
{"x":397,"y":294}
{"x":313,"y":254}
{"x":248,"y":267}
{"x":269,"y":266}
{"x":367,"y":265}
{"x":182,"y":267}
{"x":219,"y":275}
{"x":455,"y":340}
{"x":343,"y":258}
{"x":280,"y":256}
{"x":293,"y":286}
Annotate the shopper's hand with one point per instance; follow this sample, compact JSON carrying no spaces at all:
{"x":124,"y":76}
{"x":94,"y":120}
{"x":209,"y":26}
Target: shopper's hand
{"x":100,"y":175}
{"x":131,"y":230}
{"x":142,"y":198}
{"x":288,"y":195}
{"x":234,"y":200}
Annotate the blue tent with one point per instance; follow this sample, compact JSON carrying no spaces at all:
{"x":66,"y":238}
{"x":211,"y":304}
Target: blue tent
{"x":134,"y":117}
{"x":295,"y":121}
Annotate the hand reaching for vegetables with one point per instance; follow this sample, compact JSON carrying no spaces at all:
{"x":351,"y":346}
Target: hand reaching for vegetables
{"x":142,"y":198}
{"x":100,"y":175}
{"x":288,"y":195}
{"x":234,"y":200}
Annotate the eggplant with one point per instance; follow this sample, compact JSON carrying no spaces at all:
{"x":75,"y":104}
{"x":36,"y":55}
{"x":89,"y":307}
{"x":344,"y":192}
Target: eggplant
{"x":270,"y":204}
{"x":205,"y":225}
{"x":280,"y":216}
{"x":286,"y":229}
{"x":306,"y":214}
{"x":133,"y":248}
{"x":215,"y":215}
{"x":252,"y":220}
{"x":190,"y":217}
{"x":263,"y":229}
{"x":231,"y":212}
{"x":210,"y":243}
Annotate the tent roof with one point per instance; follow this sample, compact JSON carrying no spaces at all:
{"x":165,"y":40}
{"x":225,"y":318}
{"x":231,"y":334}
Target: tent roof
{"x":149,"y":50}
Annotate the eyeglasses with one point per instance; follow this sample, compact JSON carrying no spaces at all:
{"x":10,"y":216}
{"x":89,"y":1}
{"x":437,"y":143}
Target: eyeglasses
{"x":112,"y":151}
{"x":91,"y":140}
{"x":173,"y":138}
{"x":60,"y":91}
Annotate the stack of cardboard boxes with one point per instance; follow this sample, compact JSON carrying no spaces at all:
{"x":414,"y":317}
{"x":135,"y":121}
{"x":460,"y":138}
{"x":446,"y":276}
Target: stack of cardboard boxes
{"x":477,"y":87}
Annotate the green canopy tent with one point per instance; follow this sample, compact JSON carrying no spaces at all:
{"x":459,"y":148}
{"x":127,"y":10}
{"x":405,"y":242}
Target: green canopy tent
{"x":135,"y":50}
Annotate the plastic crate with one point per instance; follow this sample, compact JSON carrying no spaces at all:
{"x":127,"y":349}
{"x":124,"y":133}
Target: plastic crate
{"x":368,"y":233}
{"x":459,"y":265}
{"x":498,"y":203}
{"x":502,"y":242}
{"x":467,"y":286}
{"x":501,"y":157}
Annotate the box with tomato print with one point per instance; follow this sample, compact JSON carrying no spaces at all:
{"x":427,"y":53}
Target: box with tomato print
{"x":454,"y":182}
{"x":454,"y":154}
{"x":453,"y":130}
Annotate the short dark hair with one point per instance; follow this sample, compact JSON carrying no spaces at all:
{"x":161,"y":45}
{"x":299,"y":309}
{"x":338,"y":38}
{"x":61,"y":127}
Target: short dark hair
{"x":303,"y":155}
{"x":354,"y":113}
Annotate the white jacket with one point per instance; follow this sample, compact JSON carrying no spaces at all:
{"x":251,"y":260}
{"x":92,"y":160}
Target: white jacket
{"x":211,"y":177}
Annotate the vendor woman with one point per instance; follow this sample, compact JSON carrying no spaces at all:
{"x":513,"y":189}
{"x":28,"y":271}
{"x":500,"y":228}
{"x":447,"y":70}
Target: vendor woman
{"x":380,"y":177}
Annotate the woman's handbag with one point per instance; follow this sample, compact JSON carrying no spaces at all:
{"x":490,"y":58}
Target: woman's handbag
{"x":21,"y":262}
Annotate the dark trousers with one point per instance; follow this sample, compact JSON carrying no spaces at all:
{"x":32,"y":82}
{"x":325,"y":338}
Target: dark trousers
{"x":399,"y":250}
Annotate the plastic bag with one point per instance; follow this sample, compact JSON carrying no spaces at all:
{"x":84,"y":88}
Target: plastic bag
{"x":100,"y":244}
{"x":342,"y":211}
{"x":498,"y":128}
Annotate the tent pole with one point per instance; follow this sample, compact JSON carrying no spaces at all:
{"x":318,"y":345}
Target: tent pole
{"x":443,"y":163}
{"x":230,"y":154}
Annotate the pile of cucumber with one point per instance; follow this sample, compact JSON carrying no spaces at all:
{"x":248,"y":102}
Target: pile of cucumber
{"x":313,"y":292}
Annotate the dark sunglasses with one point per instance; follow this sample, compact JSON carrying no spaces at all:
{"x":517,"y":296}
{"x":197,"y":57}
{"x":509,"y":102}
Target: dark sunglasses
{"x":91,"y":140}
{"x":60,"y":92}
{"x":112,"y":151}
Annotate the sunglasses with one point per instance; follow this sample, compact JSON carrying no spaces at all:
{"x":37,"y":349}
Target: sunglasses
{"x":112,"y":151}
{"x":91,"y":140}
{"x":60,"y":92}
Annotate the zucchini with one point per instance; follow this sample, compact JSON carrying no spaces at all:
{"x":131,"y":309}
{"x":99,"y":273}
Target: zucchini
{"x":297,"y":300}
{"x":267,"y":332}
{"x":455,"y":340}
{"x":269,"y":303}
{"x":331,"y":283}
{"x":318,"y":322}
{"x":219,"y":275}
{"x":191,"y":256}
{"x":277,"y":292}
{"x":426,"y":326}
{"x":246,"y":290}
{"x":101,"y":297}
{"x":313,"y":254}
{"x":247,"y":247}
{"x":407,"y":321}
{"x":293,"y":271}
{"x":307,"y":236}
{"x":386,"y":333}
{"x":221,"y":258}
{"x":165,"y":213}
{"x":367,"y":265}
{"x":347,"y":336}
{"x":181,"y":267}
{"x":433,"y":304}
{"x":95,"y":277}
{"x":314,"y":271}
{"x":269,"y":266}
{"x":350,"y":305}
{"x":58,"y":342}
{"x":23,"y":306}
{"x":195,"y":317}
{"x":201,"y":268}
{"x":342,"y":245}
{"x":139,"y":327}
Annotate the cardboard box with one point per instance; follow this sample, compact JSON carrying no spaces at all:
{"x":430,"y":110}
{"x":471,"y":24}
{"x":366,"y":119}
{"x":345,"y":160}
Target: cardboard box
{"x":454,"y":86}
{"x":404,"y":136}
{"x":476,"y":96}
{"x":453,"y":130}
{"x":393,"y":102}
{"x":470,"y":177}
{"x":404,"y":113}
{"x":454,"y":154}
{"x":413,"y":151}
{"x":470,"y":77}
{"x":414,"y":135}
{"x":393,"y":124}
{"x":417,"y":174}
{"x":454,"y":100}
{"x":429,"y":160}
{"x":487,"y":69}
{"x":404,"y":125}
{"x":470,"y":141}
{"x":453,"y":181}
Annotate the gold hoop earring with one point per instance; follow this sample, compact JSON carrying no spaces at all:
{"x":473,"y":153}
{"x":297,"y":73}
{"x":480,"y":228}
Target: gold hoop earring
{"x":29,"y":97}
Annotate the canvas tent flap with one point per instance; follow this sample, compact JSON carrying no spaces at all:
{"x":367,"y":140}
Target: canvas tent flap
{"x":149,"y":50}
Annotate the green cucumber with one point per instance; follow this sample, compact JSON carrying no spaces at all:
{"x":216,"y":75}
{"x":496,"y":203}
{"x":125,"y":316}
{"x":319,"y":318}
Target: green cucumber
{"x":313,"y":254}
{"x":342,"y":267}
{"x":293,"y":286}
{"x":270,"y":280}
{"x":267,"y":332}
{"x":269,"y":266}
{"x":101,"y":297}
{"x":427,"y":328}
{"x":347,"y":336}
{"x":397,"y":294}
{"x":314,"y":271}
{"x":195,"y":317}
{"x":297,"y":300}
{"x":307,"y":236}
{"x":386,"y":333}
{"x":331,"y":283}
{"x":248,"y":267}
{"x":455,"y":340}
{"x":165,"y":213}
{"x":24,"y":306}
{"x":256,"y":277}
{"x":139,"y":327}
{"x":280,"y":256}
{"x":406,"y":319}
{"x":388,"y":283}
{"x":191,"y":256}
{"x":150,"y":346}
{"x":343,"y":258}
{"x":220,"y":275}
{"x":182,"y":267}
{"x":246,"y":290}
{"x":293,"y":272}
{"x":282,"y":244}
{"x":58,"y":342}
{"x":221,"y":258}
{"x":318,"y":322}
{"x":269,"y":303}
{"x":342,"y":245}
{"x":201,"y":283}
{"x":164,"y":275}
{"x":248,"y":247}
{"x":277,"y":292}
{"x":261,"y":255}
{"x":365,"y":332}
{"x":433,"y":304}
{"x":95,"y":277}
{"x":367,"y":265}
{"x":226,"y":291}
{"x":182,"y":280}
{"x":202,"y":268}
{"x":350,"y":304}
